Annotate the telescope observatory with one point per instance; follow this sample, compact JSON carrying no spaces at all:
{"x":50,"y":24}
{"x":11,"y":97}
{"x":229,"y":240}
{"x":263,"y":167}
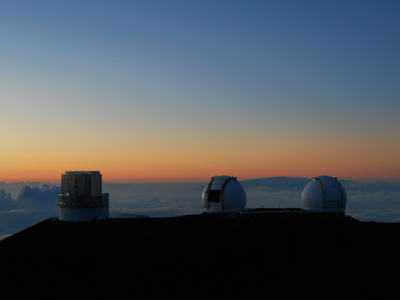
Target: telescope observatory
{"x":81,"y":197}
{"x":223,"y":194}
{"x":324,"y":194}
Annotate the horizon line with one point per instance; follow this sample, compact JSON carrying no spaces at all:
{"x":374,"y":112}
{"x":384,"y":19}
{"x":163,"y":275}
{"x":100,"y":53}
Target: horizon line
{"x":196,"y":180}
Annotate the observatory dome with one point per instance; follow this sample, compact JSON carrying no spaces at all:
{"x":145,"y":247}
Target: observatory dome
{"x":325,"y":194}
{"x":223,"y":194}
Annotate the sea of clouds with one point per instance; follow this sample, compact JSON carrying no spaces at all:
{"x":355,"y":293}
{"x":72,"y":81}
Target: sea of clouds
{"x":25,"y":204}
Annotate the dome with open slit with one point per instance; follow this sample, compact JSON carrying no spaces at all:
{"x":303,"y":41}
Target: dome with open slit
{"x":223,"y":194}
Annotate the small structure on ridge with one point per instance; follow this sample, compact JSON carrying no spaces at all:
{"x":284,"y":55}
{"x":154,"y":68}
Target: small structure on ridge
{"x":81,"y":197}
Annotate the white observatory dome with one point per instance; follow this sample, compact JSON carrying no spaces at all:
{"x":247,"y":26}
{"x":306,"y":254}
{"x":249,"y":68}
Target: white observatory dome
{"x":223,"y":194}
{"x":324,"y":194}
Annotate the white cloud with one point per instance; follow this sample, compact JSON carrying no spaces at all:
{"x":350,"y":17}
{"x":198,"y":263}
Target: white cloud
{"x":33,"y":204}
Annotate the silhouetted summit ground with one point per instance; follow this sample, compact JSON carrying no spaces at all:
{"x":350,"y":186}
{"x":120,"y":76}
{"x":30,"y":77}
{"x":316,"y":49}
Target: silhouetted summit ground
{"x":199,"y":255}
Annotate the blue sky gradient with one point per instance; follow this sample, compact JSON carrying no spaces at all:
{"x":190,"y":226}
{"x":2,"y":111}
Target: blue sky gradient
{"x":224,"y":70}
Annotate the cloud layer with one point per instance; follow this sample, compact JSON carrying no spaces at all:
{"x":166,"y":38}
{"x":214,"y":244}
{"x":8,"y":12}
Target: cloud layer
{"x":373,"y":201}
{"x":32,"y":205}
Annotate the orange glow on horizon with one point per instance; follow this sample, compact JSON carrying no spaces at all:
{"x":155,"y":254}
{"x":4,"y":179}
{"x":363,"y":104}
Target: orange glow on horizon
{"x":169,"y":158}
{"x":108,"y":176}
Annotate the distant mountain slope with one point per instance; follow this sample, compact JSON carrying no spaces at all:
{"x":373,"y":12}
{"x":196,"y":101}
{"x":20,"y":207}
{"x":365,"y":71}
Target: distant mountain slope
{"x":278,"y":183}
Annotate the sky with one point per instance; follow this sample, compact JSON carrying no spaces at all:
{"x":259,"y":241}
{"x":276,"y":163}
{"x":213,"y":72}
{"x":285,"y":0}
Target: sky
{"x":161,"y":91}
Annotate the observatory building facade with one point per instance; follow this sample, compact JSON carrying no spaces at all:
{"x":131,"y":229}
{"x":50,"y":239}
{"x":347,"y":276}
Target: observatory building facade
{"x":81,"y":197}
{"x":324,"y":194}
{"x":223,"y":194}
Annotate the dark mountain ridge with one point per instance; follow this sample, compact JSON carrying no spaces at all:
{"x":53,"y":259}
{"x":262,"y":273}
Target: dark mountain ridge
{"x":203,"y":255}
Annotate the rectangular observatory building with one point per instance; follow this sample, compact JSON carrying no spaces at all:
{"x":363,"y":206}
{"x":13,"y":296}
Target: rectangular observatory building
{"x":81,"y":197}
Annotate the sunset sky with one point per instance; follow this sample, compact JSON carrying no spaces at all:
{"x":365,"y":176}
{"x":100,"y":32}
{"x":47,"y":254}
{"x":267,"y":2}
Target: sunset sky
{"x":185,"y":90}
